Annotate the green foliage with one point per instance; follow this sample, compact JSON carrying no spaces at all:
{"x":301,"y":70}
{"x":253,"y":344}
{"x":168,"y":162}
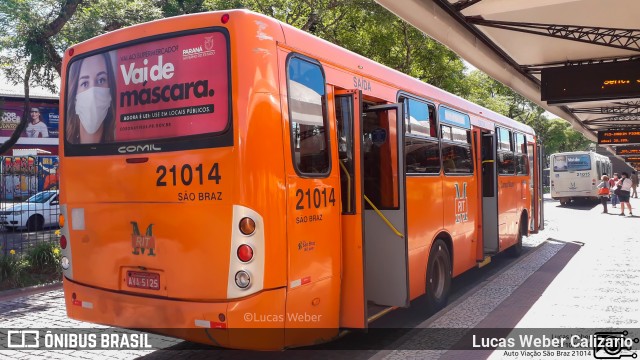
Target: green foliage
{"x":368,"y":29}
{"x":11,"y":269}
{"x":44,"y":258}
{"x":40,"y":265}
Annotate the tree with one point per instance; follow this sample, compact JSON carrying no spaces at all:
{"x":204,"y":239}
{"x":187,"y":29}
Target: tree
{"x":368,"y":29}
{"x":35,"y":33}
{"x":27,"y":37}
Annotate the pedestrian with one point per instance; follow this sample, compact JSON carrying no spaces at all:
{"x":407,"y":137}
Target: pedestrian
{"x":612,"y":184}
{"x":625,"y":190}
{"x":634,"y":184}
{"x":603,"y":193}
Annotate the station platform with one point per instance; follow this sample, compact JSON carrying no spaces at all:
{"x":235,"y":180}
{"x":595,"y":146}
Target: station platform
{"x":582,"y":274}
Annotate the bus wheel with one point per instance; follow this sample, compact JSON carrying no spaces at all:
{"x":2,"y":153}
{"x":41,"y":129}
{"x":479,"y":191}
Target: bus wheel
{"x":438,"y":276}
{"x":516,"y":249}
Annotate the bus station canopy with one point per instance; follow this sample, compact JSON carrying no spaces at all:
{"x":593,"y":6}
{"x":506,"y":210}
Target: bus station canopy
{"x":578,"y":59}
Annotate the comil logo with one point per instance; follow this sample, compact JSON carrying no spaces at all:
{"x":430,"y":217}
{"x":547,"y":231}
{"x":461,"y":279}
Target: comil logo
{"x":138,"y":148}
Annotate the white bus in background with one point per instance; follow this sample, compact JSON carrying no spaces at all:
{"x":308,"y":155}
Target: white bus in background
{"x":576,"y":175}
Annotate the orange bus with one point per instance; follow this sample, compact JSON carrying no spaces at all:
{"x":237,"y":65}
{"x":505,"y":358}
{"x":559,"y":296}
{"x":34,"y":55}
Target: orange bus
{"x":226,"y":172}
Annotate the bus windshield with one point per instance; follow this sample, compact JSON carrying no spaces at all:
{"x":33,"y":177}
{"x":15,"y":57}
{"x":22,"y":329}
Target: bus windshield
{"x":576,"y":162}
{"x":168,"y":88}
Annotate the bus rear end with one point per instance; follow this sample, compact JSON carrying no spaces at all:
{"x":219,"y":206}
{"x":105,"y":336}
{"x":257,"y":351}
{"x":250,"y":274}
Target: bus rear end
{"x":163,"y":229}
{"x":573,"y":176}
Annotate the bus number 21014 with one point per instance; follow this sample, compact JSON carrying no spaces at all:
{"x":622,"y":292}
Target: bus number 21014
{"x":315,"y":198}
{"x":187,"y":175}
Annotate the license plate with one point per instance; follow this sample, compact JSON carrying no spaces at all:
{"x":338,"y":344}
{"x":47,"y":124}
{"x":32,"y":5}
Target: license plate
{"x":143,"y":280}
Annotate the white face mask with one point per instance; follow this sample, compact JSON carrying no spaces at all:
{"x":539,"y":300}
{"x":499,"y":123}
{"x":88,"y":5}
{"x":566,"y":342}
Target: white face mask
{"x":92,"y":106}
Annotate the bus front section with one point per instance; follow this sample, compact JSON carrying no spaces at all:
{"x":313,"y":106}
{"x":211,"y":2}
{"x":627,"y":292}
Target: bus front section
{"x":169,"y":218}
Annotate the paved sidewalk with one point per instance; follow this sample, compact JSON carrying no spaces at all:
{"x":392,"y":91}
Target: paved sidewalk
{"x":586,"y":276}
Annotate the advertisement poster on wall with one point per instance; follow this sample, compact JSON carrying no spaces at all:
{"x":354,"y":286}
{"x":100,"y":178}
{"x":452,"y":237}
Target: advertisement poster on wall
{"x":43,"y":119}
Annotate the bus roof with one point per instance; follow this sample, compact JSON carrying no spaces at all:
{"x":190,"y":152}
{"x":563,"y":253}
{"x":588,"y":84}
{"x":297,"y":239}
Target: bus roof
{"x":325,"y":51}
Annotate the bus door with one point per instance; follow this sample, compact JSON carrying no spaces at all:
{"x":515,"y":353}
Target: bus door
{"x":386,"y":247}
{"x":489,"y":194}
{"x":537,"y":200}
{"x":353,"y":305}
{"x":374,"y":258}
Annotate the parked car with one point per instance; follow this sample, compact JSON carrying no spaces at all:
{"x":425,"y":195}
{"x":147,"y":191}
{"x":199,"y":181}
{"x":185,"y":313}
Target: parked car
{"x":38,"y":211}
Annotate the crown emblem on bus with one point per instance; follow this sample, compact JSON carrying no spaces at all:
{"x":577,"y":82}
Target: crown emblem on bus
{"x":144,"y":242}
{"x":208,"y":42}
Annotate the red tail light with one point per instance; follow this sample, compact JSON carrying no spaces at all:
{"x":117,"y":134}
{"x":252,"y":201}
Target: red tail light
{"x":245,"y":253}
{"x":63,"y":242}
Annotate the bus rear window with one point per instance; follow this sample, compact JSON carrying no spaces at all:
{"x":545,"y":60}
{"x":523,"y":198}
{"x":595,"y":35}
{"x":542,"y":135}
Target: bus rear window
{"x":169,"y":88}
{"x":571,"y":162}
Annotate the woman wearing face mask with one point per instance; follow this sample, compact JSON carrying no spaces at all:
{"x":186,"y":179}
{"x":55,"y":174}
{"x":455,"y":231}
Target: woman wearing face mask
{"x":91,"y":109}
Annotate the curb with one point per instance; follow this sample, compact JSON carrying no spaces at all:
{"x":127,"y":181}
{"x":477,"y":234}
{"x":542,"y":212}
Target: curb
{"x":26,"y":291}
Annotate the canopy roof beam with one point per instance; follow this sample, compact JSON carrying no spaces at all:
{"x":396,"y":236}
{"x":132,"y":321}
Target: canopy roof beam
{"x":627,"y":39}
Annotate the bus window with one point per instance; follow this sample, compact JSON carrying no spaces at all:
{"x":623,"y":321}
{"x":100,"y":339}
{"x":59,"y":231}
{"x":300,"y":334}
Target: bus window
{"x":456,"y":150}
{"x":506,"y":159}
{"x":306,"y":95}
{"x":422,"y":156}
{"x":457,"y":159}
{"x":504,"y":139}
{"x":571,"y":162}
{"x":420,"y":119}
{"x":345,"y":151}
{"x":115,"y":98}
{"x":521,"y":143}
{"x":522,"y":161}
{"x":506,"y":163}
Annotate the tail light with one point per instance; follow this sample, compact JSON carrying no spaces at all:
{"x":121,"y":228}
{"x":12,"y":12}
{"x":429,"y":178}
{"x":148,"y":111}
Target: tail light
{"x":63,"y":242}
{"x":247,"y":226}
{"x":243,"y":280}
{"x":245,"y":253}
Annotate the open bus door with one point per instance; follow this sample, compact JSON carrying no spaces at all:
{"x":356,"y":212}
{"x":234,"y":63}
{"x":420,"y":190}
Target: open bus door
{"x":536,"y":221}
{"x":374,"y":243}
{"x":488,"y":151}
{"x":386,"y":245}
{"x":540,"y":198}
{"x":353,"y":305}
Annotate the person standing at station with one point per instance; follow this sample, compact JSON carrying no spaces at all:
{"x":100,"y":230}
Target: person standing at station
{"x":612,"y":184}
{"x":603,"y":193}
{"x":634,"y":184}
{"x":625,"y":191}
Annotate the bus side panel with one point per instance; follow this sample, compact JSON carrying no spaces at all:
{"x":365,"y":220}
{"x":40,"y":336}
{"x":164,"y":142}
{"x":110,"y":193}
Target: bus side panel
{"x":313,"y":213}
{"x":424,"y":221}
{"x":460,"y":196}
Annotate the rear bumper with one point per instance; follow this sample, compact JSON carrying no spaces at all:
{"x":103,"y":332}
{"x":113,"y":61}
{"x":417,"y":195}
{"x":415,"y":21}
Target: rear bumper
{"x":227,"y":324}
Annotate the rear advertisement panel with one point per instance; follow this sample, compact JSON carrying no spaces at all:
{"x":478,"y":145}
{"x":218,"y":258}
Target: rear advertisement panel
{"x":159,"y":90}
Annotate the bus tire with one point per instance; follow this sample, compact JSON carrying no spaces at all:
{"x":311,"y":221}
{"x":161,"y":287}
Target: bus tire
{"x":438,"y":276}
{"x":516,"y":250}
